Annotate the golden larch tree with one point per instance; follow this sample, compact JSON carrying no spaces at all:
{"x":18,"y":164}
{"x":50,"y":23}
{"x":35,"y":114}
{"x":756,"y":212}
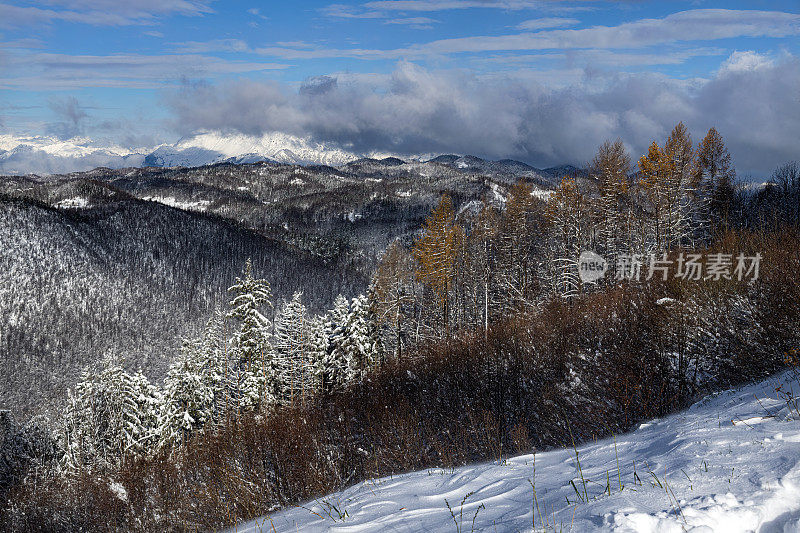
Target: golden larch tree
{"x":436,"y":251}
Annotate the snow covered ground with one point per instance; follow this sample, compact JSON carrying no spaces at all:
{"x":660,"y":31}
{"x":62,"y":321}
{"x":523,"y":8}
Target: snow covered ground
{"x":729,"y":463}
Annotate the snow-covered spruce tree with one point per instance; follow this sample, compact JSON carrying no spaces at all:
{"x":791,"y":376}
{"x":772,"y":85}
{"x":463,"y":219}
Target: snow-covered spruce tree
{"x":333,"y":364}
{"x":318,"y":334}
{"x":358,"y":346}
{"x":214,"y":350}
{"x":289,"y":343}
{"x":110,"y":414}
{"x":255,"y":373}
{"x":189,"y":393}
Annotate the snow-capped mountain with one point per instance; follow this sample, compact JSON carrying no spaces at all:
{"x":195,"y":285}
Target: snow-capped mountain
{"x":213,"y":147}
{"x":49,"y":155}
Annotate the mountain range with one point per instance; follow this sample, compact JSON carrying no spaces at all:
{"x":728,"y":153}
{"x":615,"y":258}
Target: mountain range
{"x":48,"y":155}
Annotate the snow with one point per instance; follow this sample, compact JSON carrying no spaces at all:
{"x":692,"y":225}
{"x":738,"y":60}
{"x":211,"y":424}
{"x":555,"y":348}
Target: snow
{"x":118,"y":490}
{"x":541,"y":195}
{"x":498,"y":194}
{"x":200,"y":205}
{"x":49,"y":155}
{"x":72,"y":203}
{"x":730,"y":463}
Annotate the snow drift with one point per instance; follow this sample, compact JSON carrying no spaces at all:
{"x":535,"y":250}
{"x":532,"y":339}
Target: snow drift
{"x":729,"y":463}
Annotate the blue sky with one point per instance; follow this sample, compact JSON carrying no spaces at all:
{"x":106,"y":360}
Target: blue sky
{"x":540,"y":80}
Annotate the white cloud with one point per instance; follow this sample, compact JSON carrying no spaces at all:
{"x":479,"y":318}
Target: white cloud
{"x":100,"y":12}
{"x":216,"y":45}
{"x":420,"y":23}
{"x":746,"y":61}
{"x":685,"y":26}
{"x":543,"y":23}
{"x":517,"y":115}
{"x":47,"y":71}
{"x":444,"y":5}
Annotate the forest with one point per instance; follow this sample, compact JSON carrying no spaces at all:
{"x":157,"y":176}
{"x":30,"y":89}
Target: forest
{"x":474,"y":337}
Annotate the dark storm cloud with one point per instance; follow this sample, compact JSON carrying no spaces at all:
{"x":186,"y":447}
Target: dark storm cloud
{"x":752,"y":100}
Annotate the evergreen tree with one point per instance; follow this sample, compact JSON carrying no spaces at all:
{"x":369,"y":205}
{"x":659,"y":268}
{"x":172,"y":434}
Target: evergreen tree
{"x":334,"y":366}
{"x":318,"y":334}
{"x":188,"y":394}
{"x":109,"y":414}
{"x":255,"y":373}
{"x":360,"y":347}
{"x":289,"y":345}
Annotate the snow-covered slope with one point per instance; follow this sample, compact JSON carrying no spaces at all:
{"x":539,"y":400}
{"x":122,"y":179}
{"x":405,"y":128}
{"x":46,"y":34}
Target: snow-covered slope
{"x":730,"y":463}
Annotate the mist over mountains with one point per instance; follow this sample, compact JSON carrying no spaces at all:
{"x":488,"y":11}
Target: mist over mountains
{"x":48,"y":155}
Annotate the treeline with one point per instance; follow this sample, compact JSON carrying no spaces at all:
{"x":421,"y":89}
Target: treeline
{"x":468,"y":269}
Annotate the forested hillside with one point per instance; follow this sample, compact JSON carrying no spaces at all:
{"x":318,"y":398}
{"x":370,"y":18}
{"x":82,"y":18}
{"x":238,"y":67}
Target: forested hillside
{"x":127,"y":277}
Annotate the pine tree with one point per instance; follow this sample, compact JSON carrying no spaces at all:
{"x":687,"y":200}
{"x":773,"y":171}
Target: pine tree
{"x":110,"y":414}
{"x":289,"y":345}
{"x":256,"y":373}
{"x":189,"y":394}
{"x":317,"y":349}
{"x":360,"y":348}
{"x":334,"y":365}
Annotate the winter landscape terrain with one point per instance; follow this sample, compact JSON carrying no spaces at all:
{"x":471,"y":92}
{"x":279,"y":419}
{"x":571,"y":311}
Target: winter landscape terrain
{"x":399,"y":265}
{"x":730,"y":462}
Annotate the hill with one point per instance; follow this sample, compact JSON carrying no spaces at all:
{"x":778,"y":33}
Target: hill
{"x":731,"y":463}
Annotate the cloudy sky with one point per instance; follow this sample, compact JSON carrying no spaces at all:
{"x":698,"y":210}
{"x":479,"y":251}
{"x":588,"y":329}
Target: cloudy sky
{"x":543,"y":81}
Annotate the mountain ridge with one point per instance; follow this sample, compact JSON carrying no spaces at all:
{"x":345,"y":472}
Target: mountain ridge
{"x":46,"y":156}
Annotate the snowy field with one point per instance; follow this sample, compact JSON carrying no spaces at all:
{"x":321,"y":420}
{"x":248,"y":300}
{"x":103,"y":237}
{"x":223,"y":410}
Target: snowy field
{"x":729,"y":463}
